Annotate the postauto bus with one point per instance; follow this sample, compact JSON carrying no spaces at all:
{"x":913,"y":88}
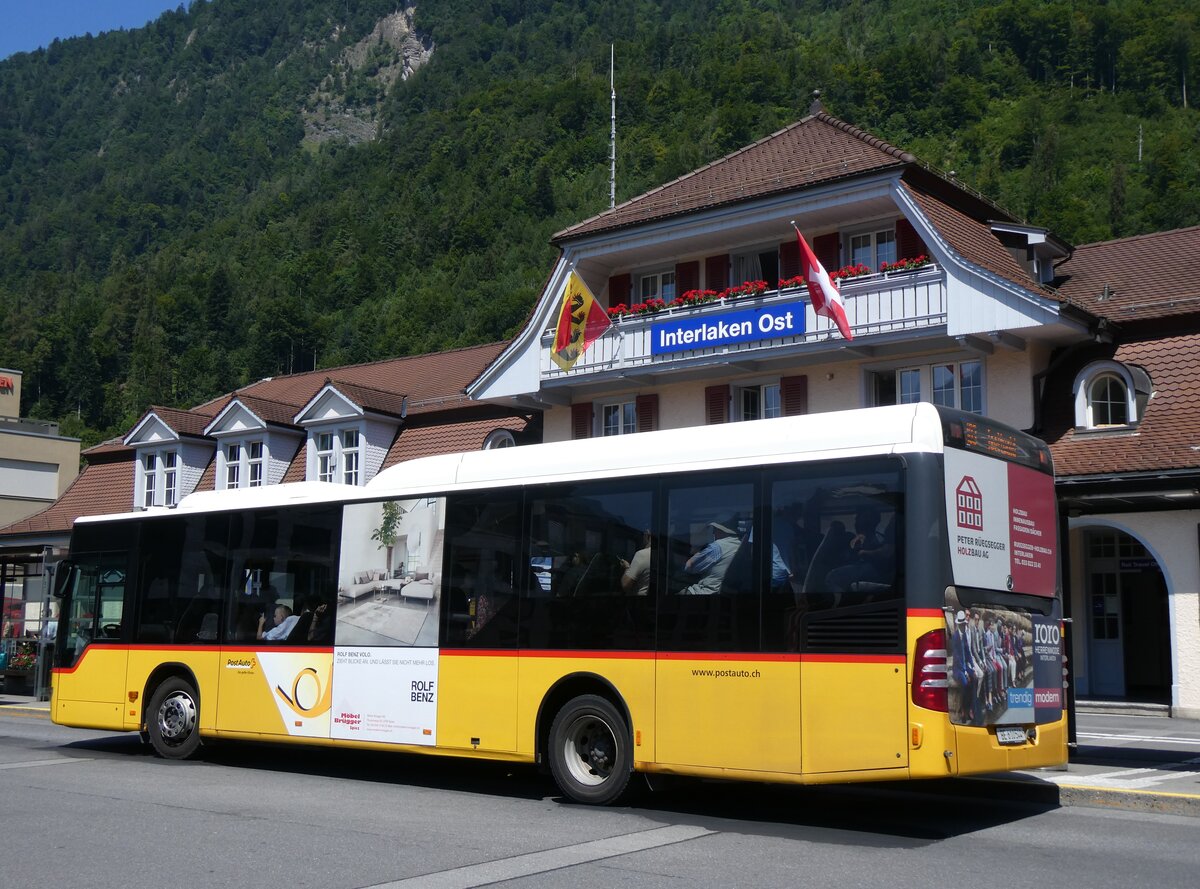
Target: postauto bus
{"x":852,"y":596}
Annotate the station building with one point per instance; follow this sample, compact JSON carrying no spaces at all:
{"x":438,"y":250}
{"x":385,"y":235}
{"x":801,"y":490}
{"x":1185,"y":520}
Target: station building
{"x":950,"y":299}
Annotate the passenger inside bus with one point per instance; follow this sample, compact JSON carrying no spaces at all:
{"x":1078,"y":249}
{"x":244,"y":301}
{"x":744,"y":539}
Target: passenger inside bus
{"x":711,"y":564}
{"x":870,"y":558}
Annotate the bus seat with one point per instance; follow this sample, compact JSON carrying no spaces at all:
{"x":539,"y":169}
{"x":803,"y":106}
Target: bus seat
{"x":299,"y":632}
{"x":830,"y":553}
{"x":208,"y":628}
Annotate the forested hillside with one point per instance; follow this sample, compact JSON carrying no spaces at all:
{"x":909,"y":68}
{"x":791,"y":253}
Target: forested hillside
{"x":252,"y":187}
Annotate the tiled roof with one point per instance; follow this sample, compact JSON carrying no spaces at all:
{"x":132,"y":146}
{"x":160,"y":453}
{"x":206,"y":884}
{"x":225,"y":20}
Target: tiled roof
{"x":372,"y":399}
{"x":447,"y":438}
{"x":1169,"y":432}
{"x":417,"y":376}
{"x":268,"y":410}
{"x":298,"y":468}
{"x":1148,"y":276}
{"x":191,"y":422}
{"x":973,"y":240}
{"x":104,"y":486}
{"x":820,"y":148}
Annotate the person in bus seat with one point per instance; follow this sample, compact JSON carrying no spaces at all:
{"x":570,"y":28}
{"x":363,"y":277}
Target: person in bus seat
{"x":321,"y":629}
{"x":713,"y":561}
{"x":636,"y":578}
{"x":284,"y":621}
{"x":871,"y":556}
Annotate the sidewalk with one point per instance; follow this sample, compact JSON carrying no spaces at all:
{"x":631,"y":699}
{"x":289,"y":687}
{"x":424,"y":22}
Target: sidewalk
{"x":1120,"y":761}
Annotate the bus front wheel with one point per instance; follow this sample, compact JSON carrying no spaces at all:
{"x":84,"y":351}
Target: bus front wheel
{"x":171,"y":720}
{"x":590,"y":751}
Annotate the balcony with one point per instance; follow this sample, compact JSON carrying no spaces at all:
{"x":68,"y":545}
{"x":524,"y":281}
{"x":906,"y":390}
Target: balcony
{"x":877,"y":304}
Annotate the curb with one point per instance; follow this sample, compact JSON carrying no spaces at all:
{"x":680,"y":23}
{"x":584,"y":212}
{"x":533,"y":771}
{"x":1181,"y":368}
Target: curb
{"x":1028,"y":788}
{"x":1161,"y":803}
{"x":25,"y":710}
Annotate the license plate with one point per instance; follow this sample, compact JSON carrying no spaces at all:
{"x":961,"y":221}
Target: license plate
{"x":1010,"y":735}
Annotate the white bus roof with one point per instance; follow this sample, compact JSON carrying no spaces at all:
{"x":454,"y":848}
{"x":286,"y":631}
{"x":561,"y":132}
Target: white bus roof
{"x":869,"y":431}
{"x":881,"y":430}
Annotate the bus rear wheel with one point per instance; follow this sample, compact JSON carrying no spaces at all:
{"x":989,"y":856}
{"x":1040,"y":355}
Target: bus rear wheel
{"x":171,"y":720}
{"x":590,"y":751}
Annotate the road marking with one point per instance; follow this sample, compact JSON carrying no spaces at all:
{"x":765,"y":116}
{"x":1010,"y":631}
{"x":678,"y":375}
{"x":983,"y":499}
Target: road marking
{"x":1154,"y":738}
{"x":552,"y":859}
{"x":28,"y":764}
{"x":1132,"y":779}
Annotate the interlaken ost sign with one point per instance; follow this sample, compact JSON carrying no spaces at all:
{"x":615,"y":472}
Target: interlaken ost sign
{"x":737,"y":326}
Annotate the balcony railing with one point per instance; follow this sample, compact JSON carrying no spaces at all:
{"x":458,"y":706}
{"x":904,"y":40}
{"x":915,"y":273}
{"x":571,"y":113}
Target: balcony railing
{"x":875,"y":304}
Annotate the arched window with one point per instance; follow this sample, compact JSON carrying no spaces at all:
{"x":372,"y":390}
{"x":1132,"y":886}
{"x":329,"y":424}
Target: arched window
{"x":1110,"y":395}
{"x":1108,"y":401}
{"x":499,"y":438}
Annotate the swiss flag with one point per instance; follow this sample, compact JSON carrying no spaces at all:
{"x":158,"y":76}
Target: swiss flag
{"x":821,"y":290}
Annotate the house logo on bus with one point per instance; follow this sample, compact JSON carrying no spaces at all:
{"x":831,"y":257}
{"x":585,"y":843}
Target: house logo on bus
{"x":970,"y":504}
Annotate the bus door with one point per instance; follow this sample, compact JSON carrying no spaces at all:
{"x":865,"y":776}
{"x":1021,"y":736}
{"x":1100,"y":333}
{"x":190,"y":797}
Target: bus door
{"x":281,"y":565}
{"x":92,"y":616}
{"x":836,"y":531}
{"x":477,"y":670}
{"x":723,"y":698}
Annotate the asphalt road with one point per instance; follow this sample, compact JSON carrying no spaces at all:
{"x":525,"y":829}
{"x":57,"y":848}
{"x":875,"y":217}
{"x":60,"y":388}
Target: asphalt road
{"x":97,"y":810}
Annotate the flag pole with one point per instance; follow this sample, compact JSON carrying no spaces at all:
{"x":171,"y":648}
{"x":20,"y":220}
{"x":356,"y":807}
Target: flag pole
{"x":612,"y":136}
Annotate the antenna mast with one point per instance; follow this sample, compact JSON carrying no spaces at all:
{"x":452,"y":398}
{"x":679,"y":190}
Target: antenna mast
{"x":612,"y":136}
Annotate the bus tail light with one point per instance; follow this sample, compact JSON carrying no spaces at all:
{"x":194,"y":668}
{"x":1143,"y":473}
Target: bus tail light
{"x":931,"y":673}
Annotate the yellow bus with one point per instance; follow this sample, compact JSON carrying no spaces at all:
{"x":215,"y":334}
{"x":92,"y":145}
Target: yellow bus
{"x":854,"y":596}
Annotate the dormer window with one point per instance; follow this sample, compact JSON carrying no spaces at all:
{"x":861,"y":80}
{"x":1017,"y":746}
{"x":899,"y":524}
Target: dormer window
{"x":160,"y":478}
{"x":499,"y":438}
{"x":1108,"y":401}
{"x":338,"y":455}
{"x":243,"y":462}
{"x":326,"y":459}
{"x":1110,"y":395}
{"x":351,"y":456}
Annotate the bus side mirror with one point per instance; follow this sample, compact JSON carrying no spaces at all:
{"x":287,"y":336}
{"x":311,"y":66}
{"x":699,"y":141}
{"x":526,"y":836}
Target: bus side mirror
{"x":63,"y":572}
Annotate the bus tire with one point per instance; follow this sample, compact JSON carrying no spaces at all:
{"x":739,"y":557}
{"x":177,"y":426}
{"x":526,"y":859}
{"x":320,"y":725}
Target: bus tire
{"x":591,"y":754}
{"x":172,"y":720}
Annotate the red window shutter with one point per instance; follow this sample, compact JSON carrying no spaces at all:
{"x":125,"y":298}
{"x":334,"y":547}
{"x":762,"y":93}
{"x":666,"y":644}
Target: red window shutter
{"x":646,"y":407}
{"x":789,"y":260}
{"x":828,"y":251}
{"x":618,"y":289}
{"x":687,"y":277}
{"x":908,"y":243}
{"x":716,"y":272}
{"x":716,"y":404}
{"x":581,"y":420}
{"x":793,"y":395}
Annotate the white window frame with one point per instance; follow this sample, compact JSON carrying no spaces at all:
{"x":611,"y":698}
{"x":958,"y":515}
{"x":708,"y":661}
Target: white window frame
{"x":159,"y":470}
{"x":325,"y":444}
{"x":915,"y":383}
{"x":351,"y":459}
{"x":242,"y":463}
{"x":1085,"y":383}
{"x":769,"y":398}
{"x":256,"y":462}
{"x":233,"y":465}
{"x":872,"y":234}
{"x":623,"y":410}
{"x":656,"y":282}
{"x":340,"y":462}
